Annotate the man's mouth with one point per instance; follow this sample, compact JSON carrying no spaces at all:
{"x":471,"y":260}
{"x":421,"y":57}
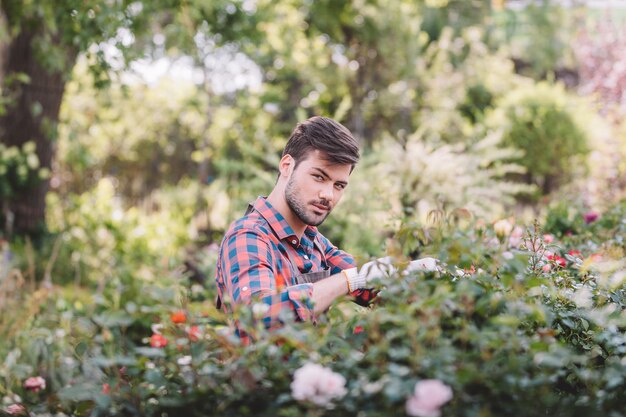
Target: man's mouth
{"x":321,"y":207}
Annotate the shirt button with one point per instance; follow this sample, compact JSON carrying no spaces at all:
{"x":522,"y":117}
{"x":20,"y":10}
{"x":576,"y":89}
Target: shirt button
{"x":294,"y":241}
{"x":306,"y":257}
{"x":244,"y":289}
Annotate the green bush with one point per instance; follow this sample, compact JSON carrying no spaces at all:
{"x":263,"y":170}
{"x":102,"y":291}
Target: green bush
{"x":521,"y":327}
{"x":543,"y":121}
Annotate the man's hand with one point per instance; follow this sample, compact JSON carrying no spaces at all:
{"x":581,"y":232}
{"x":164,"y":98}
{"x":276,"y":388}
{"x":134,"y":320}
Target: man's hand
{"x":383,"y":267}
{"x":424,"y":264}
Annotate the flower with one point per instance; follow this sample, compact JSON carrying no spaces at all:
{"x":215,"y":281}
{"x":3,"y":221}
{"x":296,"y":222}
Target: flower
{"x":158,"y":341}
{"x":557,"y":260}
{"x":515,"y":239}
{"x":502,"y":227}
{"x":548,"y":238}
{"x":35,"y":383}
{"x":546,"y":268}
{"x":428,"y":397}
{"x":106,"y":389}
{"x":194,"y":333}
{"x":595,"y":257}
{"x":315,"y":383}
{"x":259,"y":310}
{"x":575,"y":253}
{"x":358,"y":329}
{"x":184,"y":360}
{"x":178,"y":317}
{"x":590,"y":217}
{"x":15,"y":409}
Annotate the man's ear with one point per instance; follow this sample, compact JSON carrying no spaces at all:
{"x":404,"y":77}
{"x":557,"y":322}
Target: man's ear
{"x":286,"y":165}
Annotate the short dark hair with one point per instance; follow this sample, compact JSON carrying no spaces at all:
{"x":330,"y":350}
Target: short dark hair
{"x":326,"y":135}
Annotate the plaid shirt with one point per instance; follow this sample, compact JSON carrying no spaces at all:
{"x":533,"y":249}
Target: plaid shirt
{"x":253,"y":264}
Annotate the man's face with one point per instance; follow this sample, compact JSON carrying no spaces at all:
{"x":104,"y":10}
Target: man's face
{"x":315,"y":187}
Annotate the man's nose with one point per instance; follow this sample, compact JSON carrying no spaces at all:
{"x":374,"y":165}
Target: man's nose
{"x":326,"y":192}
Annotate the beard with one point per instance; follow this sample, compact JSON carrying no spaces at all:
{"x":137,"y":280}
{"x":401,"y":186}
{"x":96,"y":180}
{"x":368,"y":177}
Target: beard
{"x":299,"y":207}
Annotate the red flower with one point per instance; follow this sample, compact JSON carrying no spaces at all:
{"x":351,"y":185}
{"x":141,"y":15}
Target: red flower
{"x":35,"y":383}
{"x":194,"y":333}
{"x":575,"y":253}
{"x":557,"y":260}
{"x":358,"y":329}
{"x":178,"y":317}
{"x":158,"y":341}
{"x":106,"y":389}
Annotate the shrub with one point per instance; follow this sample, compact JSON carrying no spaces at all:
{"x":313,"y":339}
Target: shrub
{"x":543,"y":121}
{"x":512,"y":323}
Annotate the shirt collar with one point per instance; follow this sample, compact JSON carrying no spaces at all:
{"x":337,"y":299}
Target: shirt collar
{"x":277,"y":222}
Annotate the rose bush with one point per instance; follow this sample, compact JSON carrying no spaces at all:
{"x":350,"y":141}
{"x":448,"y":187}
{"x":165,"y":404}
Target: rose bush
{"x":490,"y":332}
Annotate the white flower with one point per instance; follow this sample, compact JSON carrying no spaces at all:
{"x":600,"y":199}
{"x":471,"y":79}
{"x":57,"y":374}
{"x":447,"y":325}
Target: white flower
{"x":502,"y":227}
{"x":259,"y":310}
{"x":184,"y":360}
{"x":429,"y":396}
{"x":507,"y":255}
{"x":317,"y":384}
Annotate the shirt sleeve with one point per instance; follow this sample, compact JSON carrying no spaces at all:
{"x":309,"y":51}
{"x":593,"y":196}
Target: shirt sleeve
{"x":246,"y":262}
{"x":339,"y":260}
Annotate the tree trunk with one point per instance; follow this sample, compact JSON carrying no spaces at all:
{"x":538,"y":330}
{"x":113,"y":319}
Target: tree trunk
{"x":32,"y":115}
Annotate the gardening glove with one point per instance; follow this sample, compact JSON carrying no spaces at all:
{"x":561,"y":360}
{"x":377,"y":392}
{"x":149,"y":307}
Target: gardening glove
{"x":424,"y":264}
{"x":359,"y":278}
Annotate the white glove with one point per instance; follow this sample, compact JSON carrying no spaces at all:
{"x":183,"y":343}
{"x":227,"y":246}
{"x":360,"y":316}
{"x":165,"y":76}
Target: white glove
{"x":379,"y":268}
{"x":424,"y":264}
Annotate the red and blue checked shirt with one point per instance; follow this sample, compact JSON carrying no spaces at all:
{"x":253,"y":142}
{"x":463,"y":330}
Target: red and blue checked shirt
{"x":253,"y":264}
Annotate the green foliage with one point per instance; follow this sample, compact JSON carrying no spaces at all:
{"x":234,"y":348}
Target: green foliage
{"x":543,"y":121}
{"x":507,"y":326}
{"x":19,"y":169}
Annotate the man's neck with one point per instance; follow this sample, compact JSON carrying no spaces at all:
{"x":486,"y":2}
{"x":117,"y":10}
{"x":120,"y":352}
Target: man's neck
{"x":278,"y":201}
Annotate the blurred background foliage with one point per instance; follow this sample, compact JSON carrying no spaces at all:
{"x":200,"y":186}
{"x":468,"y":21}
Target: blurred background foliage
{"x":136,"y":131}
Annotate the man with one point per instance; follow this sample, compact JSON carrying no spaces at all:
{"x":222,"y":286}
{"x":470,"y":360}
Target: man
{"x":274,"y":254}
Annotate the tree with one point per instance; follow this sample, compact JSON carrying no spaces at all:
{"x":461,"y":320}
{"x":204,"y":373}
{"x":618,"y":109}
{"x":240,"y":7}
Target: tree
{"x":39,"y":44}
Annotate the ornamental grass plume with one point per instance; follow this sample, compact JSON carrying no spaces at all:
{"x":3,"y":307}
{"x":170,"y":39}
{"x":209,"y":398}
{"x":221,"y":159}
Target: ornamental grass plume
{"x":317,"y":384}
{"x":428,"y":397}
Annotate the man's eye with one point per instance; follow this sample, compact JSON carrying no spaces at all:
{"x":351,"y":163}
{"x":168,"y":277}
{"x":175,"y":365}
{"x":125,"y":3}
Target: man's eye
{"x":340,"y":186}
{"x":318,"y":177}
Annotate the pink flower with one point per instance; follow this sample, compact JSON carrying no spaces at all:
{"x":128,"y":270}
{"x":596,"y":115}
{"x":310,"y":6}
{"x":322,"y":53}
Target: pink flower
{"x":194,"y":333}
{"x":546,"y":268}
{"x":158,"y":341}
{"x":317,"y":384}
{"x":15,"y":409}
{"x":35,"y":383}
{"x":429,"y":396}
{"x":590,"y":217}
{"x":548,"y":238}
{"x":515,"y":240}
